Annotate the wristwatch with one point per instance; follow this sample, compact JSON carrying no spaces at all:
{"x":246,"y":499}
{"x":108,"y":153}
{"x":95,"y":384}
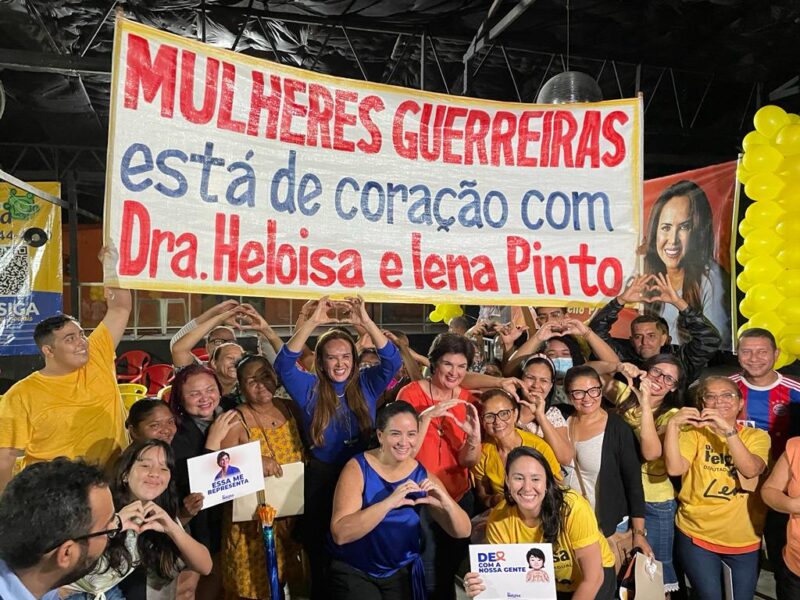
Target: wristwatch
{"x":731,"y":433}
{"x":641,"y":532}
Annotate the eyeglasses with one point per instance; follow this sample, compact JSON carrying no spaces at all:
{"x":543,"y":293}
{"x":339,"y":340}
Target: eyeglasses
{"x":655,"y":373}
{"x":593,"y":392}
{"x":541,"y":319}
{"x":109,"y":533}
{"x":723,"y":398}
{"x":503,"y":415}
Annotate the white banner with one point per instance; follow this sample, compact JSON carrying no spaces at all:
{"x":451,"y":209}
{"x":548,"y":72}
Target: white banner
{"x":229,"y":174}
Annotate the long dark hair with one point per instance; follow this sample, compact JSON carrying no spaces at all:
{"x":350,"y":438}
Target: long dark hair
{"x":327,"y":400}
{"x":700,"y":248}
{"x":554,"y":509}
{"x":673,"y":398}
{"x":157,"y":552}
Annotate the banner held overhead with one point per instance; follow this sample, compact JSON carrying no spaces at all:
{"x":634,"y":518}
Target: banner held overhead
{"x":233,"y":175}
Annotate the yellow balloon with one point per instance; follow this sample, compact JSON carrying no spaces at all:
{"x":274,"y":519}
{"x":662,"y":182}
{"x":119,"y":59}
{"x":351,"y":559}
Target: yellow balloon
{"x":769,"y":321}
{"x":790,"y":340}
{"x":743,"y":283}
{"x":789,"y":257}
{"x":762,"y":242}
{"x":764,"y":186}
{"x":435,"y":316}
{"x":753,"y":139}
{"x":769,"y":120}
{"x":742,"y":328}
{"x":745,"y":227}
{"x":743,"y":256}
{"x":764,"y":297}
{"x":762,"y":159}
{"x":790,"y":167}
{"x":745,"y":307}
{"x":788,"y":226}
{"x":788,"y":284}
{"x":764,"y":214}
{"x":789,"y":311}
{"x":742,"y":174}
{"x":788,"y":139}
{"x":794,"y":118}
{"x":762,"y":269}
{"x":784,"y":359}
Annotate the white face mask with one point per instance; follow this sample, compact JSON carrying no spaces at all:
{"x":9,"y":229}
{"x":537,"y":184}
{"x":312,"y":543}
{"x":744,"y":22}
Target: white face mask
{"x":562,"y":365}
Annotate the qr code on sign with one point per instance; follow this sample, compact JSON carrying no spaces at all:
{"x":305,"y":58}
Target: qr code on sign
{"x":15,"y":271}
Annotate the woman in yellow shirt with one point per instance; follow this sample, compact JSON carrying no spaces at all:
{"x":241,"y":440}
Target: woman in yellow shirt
{"x":499,"y":414}
{"x":537,"y":509}
{"x":720,"y":517}
{"x":647,"y":410}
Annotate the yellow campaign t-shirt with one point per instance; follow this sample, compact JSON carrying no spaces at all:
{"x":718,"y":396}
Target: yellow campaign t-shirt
{"x":712,"y":507}
{"x":580,"y":530}
{"x":490,"y":466}
{"x":655,"y":481}
{"x":75,"y":415}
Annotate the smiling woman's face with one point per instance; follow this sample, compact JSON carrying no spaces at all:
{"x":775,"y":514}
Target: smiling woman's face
{"x":674,"y":230}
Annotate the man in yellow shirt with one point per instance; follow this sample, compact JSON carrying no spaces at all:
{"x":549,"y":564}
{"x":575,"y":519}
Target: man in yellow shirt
{"x":71,"y":407}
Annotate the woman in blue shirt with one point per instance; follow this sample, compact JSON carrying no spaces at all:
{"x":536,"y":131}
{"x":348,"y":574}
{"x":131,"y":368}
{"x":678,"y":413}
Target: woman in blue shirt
{"x":375,"y":525}
{"x":337,"y":407}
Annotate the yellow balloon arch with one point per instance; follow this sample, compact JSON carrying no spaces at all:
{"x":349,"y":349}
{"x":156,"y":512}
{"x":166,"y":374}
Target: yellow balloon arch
{"x":770,"y":254}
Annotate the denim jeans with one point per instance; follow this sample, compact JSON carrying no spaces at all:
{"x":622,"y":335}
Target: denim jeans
{"x":659,"y":520}
{"x":704,"y":570}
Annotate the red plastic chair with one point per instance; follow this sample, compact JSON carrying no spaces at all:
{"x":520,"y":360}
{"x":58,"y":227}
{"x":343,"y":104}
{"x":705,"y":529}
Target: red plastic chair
{"x":200,"y":353}
{"x":131,"y":366}
{"x":157,"y":377}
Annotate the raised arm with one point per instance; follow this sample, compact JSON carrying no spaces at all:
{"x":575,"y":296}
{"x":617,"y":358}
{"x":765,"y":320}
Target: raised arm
{"x":118,"y":300}
{"x":747,"y":463}
{"x":209,"y":314}
{"x":674,"y":460}
{"x":532,"y":345}
{"x":359,"y":317}
{"x":182,"y":349}
{"x":600,"y":348}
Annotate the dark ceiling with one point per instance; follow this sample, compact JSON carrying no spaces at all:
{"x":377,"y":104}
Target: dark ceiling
{"x":703,"y":66}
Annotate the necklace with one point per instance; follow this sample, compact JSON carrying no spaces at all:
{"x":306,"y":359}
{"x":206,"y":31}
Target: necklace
{"x":263,"y":429}
{"x":440,"y":424}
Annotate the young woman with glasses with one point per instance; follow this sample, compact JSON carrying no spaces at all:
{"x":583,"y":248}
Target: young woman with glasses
{"x":147,"y":534}
{"x":605,"y":458}
{"x":720,"y":515}
{"x":647,"y":408}
{"x":499,"y":413}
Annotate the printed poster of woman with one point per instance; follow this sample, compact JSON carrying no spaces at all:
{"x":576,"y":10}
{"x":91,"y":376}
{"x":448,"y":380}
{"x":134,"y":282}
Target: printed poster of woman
{"x":687,"y":237}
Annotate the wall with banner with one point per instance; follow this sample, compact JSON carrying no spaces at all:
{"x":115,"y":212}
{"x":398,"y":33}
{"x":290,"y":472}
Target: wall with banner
{"x":233,"y":175}
{"x":31,"y":282}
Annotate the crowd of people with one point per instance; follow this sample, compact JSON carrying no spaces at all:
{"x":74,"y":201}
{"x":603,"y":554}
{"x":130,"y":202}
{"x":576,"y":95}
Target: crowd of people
{"x":574,"y":438}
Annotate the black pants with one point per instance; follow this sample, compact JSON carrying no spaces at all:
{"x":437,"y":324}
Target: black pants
{"x":787,"y":584}
{"x":320,"y":484}
{"x":442,"y":554}
{"x":607,"y":591}
{"x":347,"y":583}
{"x":775,"y":538}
